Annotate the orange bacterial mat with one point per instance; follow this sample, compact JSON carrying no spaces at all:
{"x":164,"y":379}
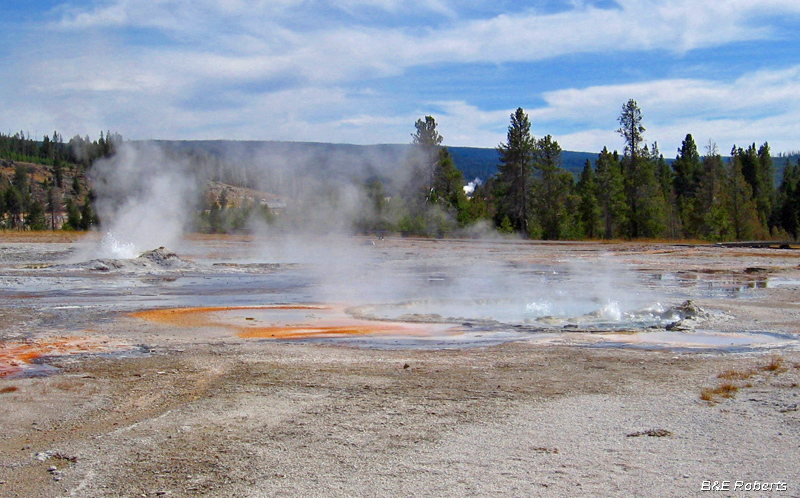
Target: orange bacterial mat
{"x":16,"y":356}
{"x":286,"y":322}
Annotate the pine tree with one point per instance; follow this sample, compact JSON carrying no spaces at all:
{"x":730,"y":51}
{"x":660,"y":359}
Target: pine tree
{"x":610,"y":194}
{"x":34,"y":219}
{"x":589,"y":209}
{"x":688,"y":172}
{"x":666,"y":179}
{"x":58,"y":172}
{"x":20,"y":180}
{"x":87,"y":216}
{"x":765,"y":194}
{"x":787,"y":207}
{"x":52,"y":207}
{"x":73,"y":216}
{"x":552,"y":187}
{"x":448,"y":187}
{"x":14,"y":206}
{"x":741,"y":207}
{"x":643,"y":193}
{"x":215,"y":219}
{"x":515,"y":174}
{"x":711,"y":200}
{"x":426,"y":141}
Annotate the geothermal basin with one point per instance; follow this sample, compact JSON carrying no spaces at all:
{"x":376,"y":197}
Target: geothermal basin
{"x":338,"y":366}
{"x":391,"y":294}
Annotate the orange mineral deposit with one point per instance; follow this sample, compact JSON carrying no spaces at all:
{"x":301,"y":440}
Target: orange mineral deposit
{"x":281,"y":321}
{"x":15,"y":356}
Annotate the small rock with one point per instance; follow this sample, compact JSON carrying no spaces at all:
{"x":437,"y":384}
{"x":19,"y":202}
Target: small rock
{"x":651,"y":433}
{"x":678,"y":326}
{"x":690,"y":310}
{"x":405,"y":366}
{"x":43,"y":456}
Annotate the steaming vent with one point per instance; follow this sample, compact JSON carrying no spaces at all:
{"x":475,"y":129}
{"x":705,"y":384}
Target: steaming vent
{"x":154,"y":260}
{"x":499,"y":314}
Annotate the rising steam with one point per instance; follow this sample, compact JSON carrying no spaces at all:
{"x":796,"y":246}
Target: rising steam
{"x":144,"y":199}
{"x":148,"y":195}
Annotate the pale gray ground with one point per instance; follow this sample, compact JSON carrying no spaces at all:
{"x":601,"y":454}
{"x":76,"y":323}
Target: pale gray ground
{"x":208,"y":414}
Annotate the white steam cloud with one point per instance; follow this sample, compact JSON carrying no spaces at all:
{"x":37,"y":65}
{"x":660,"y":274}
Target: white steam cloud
{"x":144,"y":199}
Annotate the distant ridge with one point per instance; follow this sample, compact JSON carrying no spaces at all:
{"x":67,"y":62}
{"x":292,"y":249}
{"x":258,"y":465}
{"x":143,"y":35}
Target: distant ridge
{"x":474,"y":162}
{"x":482,"y":163}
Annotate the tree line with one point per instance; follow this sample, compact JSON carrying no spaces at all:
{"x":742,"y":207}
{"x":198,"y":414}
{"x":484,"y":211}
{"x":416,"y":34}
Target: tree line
{"x":46,"y":187}
{"x":637,"y":194}
{"x":634,"y":195}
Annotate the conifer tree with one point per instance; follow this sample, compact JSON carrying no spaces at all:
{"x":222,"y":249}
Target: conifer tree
{"x":765,"y":194}
{"x":589,"y":207}
{"x":14,"y":206}
{"x":711,"y":199}
{"x":644,"y":197}
{"x":610,"y":194}
{"x":552,"y":188}
{"x":34,"y":219}
{"x":515,"y":173}
{"x":741,"y":207}
{"x":88,"y":219}
{"x":448,"y":187}
{"x":52,"y":206}
{"x":426,"y":141}
{"x":73,"y":216}
{"x":687,"y":176}
{"x":788,"y":200}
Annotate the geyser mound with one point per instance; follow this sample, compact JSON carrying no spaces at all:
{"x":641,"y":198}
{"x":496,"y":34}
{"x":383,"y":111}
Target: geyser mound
{"x":501,"y":314}
{"x":153,"y":260}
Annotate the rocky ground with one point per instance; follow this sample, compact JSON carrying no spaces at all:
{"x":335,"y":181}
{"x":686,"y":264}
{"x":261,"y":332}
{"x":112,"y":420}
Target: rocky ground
{"x":198,"y":412}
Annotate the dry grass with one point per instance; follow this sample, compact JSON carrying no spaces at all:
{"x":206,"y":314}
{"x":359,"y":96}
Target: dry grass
{"x":724,"y":390}
{"x":737,"y":374}
{"x":775,"y":365}
{"x":728,"y":388}
{"x":44,"y":236}
{"x":69,"y":385}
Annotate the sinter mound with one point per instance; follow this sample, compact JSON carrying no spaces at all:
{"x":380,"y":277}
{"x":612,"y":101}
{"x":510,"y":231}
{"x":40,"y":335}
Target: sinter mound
{"x":156,"y":259}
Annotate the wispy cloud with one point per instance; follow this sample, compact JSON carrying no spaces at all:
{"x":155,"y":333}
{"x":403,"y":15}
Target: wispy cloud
{"x":332,"y":70}
{"x":757,"y":106}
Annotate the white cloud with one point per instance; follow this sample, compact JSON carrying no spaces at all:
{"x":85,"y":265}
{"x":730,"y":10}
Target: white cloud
{"x":756,"y":107}
{"x":462,"y":124}
{"x":354,"y":48}
{"x":278,"y":70}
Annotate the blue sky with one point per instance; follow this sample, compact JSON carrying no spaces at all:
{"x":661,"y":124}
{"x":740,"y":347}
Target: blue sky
{"x":363,"y":71}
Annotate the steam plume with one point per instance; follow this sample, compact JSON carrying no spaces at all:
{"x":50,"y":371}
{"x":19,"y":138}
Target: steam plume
{"x":144,"y":199}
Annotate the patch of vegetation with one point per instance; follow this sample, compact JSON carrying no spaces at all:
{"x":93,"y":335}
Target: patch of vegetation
{"x":737,"y":374}
{"x":729,"y":387}
{"x":775,"y":366}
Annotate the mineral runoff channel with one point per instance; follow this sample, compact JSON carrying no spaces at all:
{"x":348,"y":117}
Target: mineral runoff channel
{"x":57,"y":301}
